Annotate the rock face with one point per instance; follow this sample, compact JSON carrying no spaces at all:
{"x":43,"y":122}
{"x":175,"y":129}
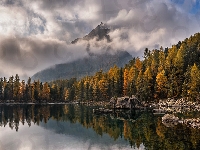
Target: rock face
{"x":125,"y":102}
{"x":100,"y":33}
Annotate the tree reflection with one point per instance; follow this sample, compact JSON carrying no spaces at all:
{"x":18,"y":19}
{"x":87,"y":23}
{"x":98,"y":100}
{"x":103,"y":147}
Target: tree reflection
{"x":136,"y":127}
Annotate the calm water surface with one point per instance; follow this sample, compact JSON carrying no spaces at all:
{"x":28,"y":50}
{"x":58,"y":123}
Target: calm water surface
{"x":74,"y":127}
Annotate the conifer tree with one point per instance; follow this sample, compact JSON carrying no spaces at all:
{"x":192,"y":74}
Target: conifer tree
{"x":16,"y":88}
{"x":1,"y":89}
{"x":161,"y":81}
{"x":126,"y":82}
{"x":194,"y":84}
{"x":103,"y":88}
{"x":46,"y":92}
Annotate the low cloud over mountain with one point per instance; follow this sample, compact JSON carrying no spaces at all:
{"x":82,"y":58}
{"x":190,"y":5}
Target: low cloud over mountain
{"x":38,"y":34}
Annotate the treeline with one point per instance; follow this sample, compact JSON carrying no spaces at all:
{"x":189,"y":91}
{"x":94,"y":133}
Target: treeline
{"x":164,"y":73}
{"x":14,"y":90}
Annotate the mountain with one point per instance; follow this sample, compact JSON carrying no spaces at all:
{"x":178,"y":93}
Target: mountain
{"x":100,"y":32}
{"x":83,"y":67}
{"x":89,"y":65}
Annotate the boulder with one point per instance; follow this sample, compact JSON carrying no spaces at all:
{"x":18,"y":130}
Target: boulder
{"x":169,"y":120}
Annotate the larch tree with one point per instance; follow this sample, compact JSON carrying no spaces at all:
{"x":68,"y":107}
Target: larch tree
{"x":126,"y":82}
{"x":86,"y":87}
{"x":103,"y":87}
{"x":140,"y":85}
{"x":179,"y":69}
{"x":67,"y":92}
{"x":194,"y":84}
{"x":138,"y":64}
{"x":148,"y":84}
{"x":161,"y":60}
{"x":161,"y":82}
{"x":132,"y":77}
{"x":22,"y":90}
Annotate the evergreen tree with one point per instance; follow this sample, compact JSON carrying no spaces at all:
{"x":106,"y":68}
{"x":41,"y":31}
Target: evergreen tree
{"x":16,"y":88}
{"x":194,"y":84}
{"x":161,"y":81}
{"x":46,"y":92}
{"x":1,"y":89}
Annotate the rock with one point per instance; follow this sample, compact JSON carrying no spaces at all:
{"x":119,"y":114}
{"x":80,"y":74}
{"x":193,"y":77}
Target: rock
{"x":169,"y":120}
{"x":125,"y":102}
{"x":169,"y":117}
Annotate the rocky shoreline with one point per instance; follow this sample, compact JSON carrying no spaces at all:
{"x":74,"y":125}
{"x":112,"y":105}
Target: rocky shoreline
{"x":169,"y":120}
{"x":177,"y":106}
{"x":165,"y":106}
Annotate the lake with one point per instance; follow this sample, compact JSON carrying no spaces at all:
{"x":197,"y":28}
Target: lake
{"x":75,"y":127}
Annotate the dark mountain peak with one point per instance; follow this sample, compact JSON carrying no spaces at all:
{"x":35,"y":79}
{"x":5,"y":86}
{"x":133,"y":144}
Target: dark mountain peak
{"x":103,"y":26}
{"x":100,"y":33}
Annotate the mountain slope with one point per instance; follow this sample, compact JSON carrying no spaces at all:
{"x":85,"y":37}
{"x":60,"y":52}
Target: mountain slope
{"x":83,"y":67}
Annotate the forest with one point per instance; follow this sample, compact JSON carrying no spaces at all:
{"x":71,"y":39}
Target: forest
{"x":162,"y":73}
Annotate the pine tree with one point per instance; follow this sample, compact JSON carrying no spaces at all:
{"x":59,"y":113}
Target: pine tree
{"x":22,"y":90}
{"x":5,"y":89}
{"x":46,"y":92}
{"x":1,"y":89}
{"x":16,"y":88}
{"x":28,"y":91}
{"x":11,"y":87}
{"x":37,"y":91}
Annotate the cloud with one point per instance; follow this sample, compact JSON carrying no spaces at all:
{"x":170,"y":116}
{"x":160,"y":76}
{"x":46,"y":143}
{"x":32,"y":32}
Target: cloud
{"x":26,"y":56}
{"x":37,"y":34}
{"x":13,"y":20}
{"x":157,"y":23}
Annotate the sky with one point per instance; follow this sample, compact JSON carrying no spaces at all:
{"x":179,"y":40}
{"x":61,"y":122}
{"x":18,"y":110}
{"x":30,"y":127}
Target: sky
{"x":36,"y":34}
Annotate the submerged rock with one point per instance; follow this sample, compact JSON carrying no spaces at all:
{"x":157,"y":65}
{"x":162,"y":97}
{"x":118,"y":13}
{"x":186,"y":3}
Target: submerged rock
{"x":169,"y":120}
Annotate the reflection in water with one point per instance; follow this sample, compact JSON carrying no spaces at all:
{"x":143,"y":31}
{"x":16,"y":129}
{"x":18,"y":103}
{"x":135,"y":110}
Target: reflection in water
{"x":76,"y":127}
